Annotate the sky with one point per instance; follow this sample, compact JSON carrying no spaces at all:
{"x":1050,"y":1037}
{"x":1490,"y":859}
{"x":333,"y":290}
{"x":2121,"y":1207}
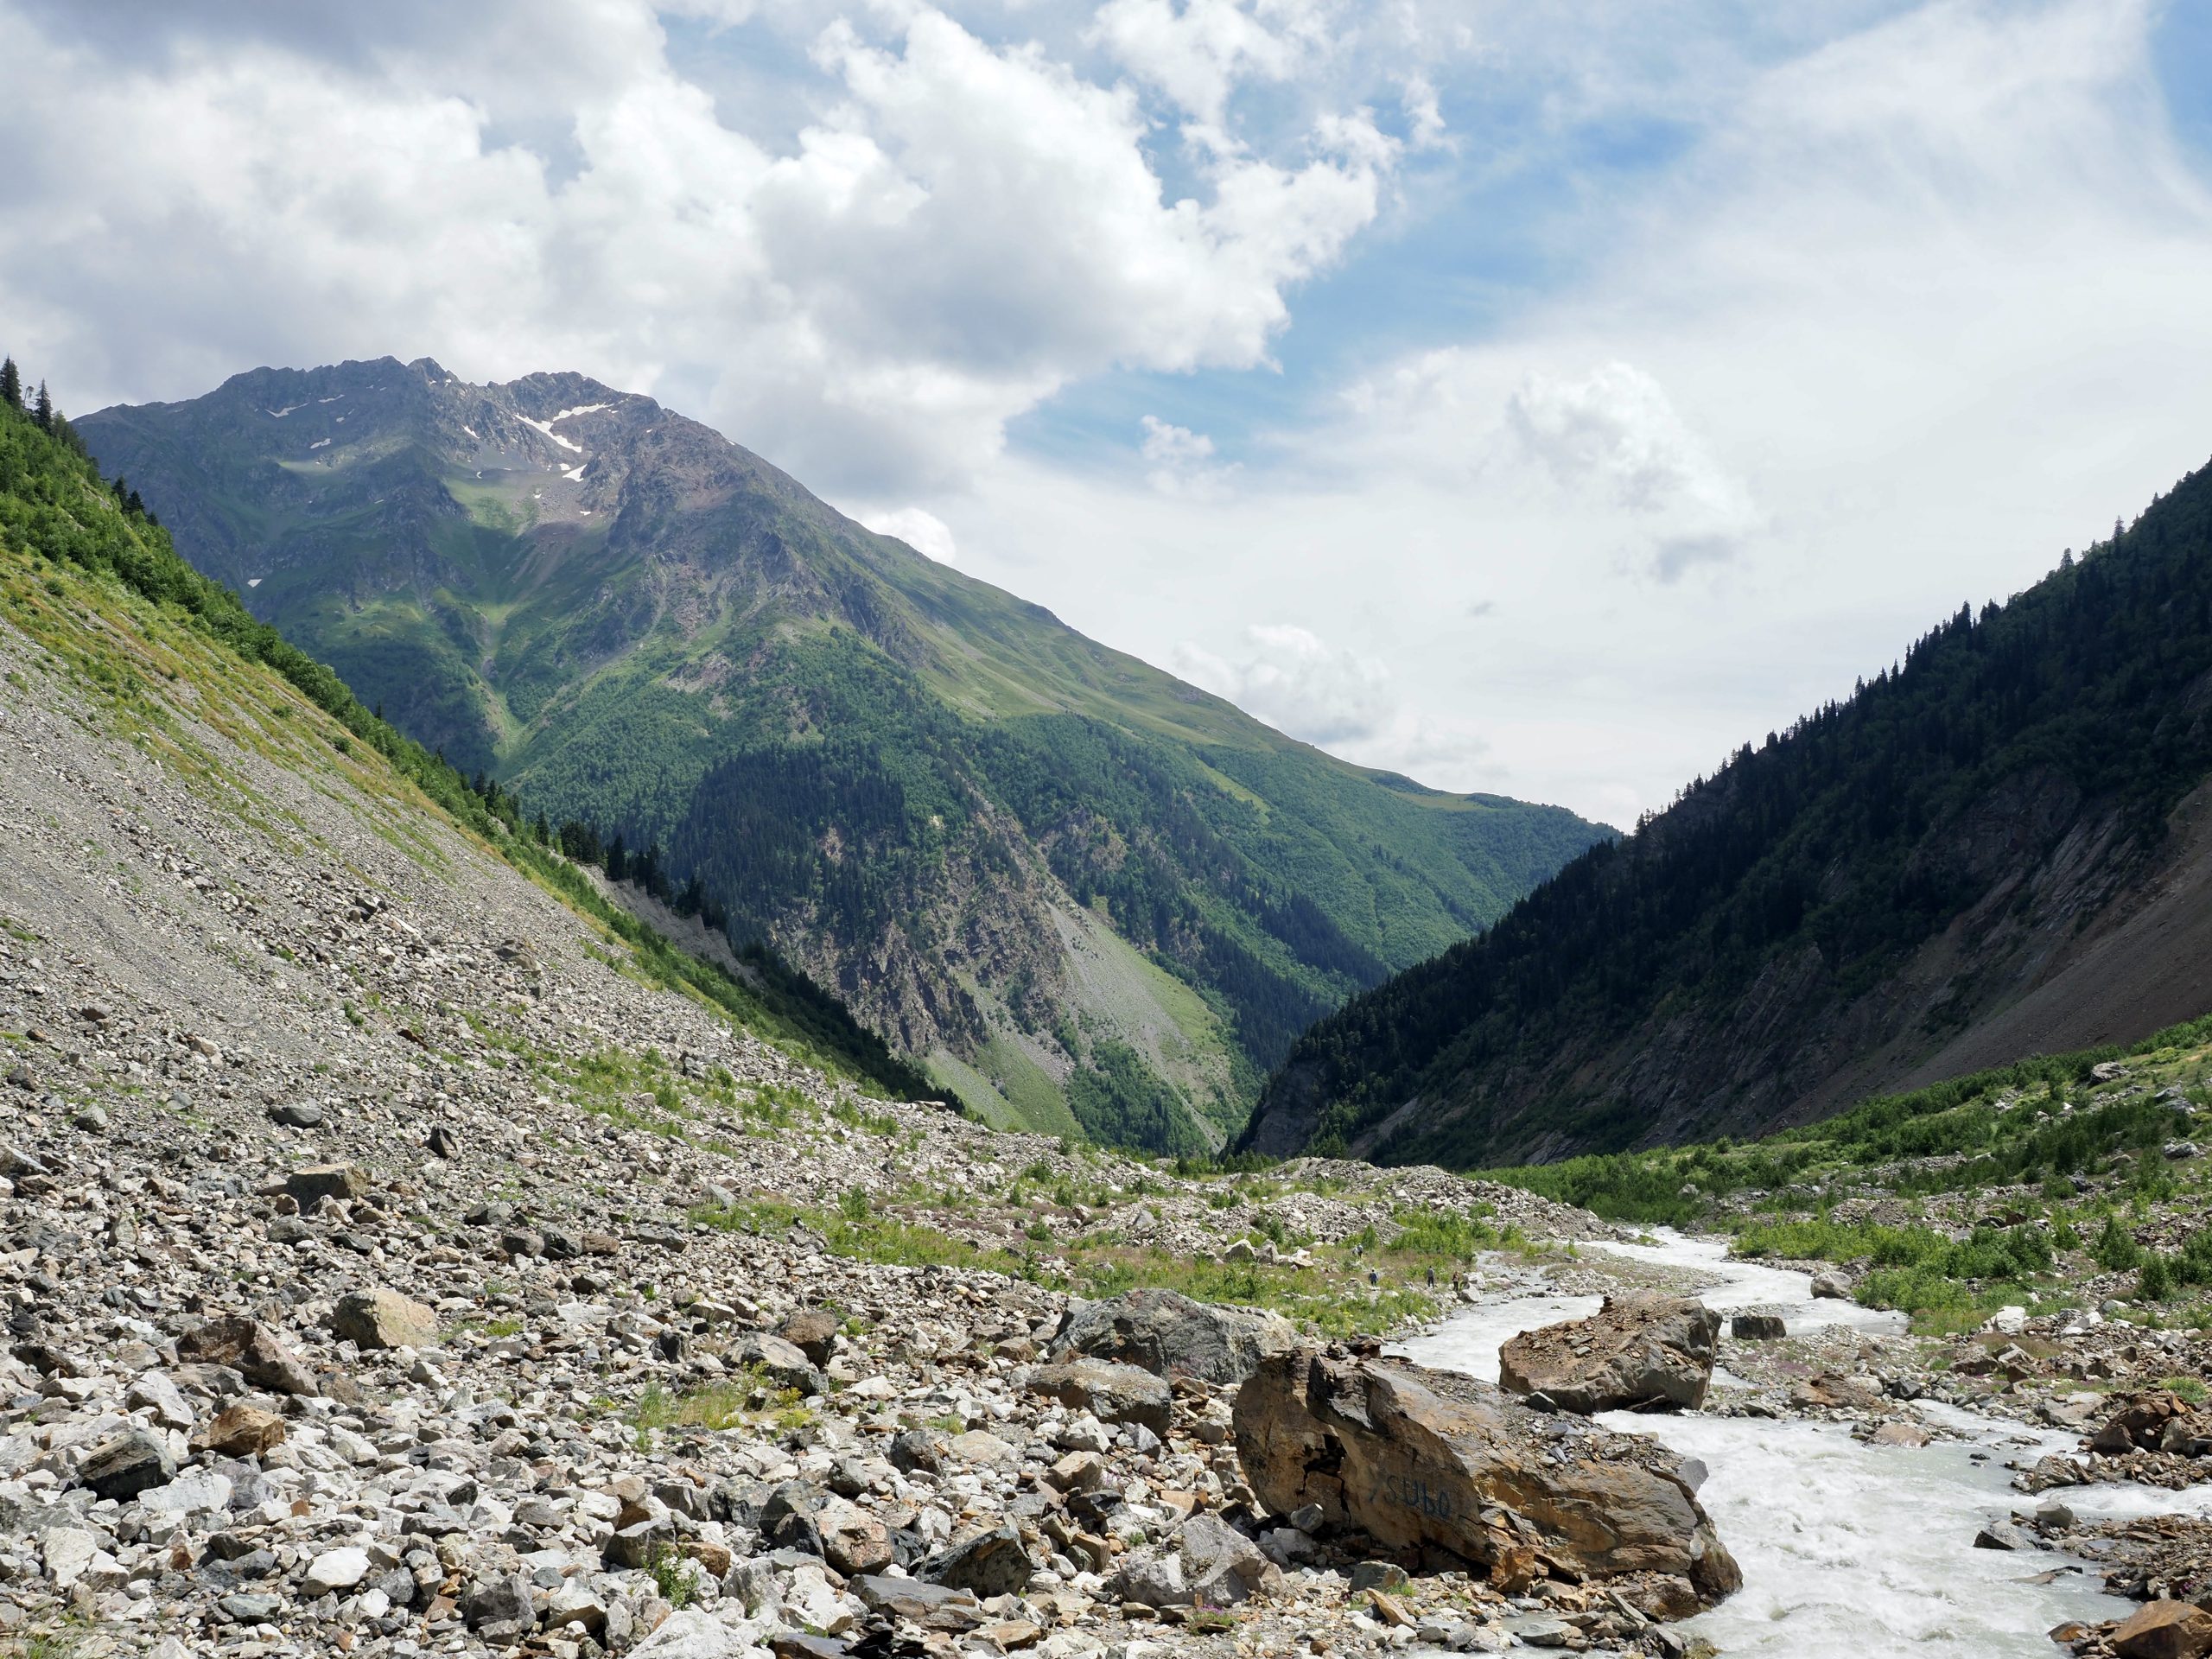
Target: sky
{"x":1537,"y":399}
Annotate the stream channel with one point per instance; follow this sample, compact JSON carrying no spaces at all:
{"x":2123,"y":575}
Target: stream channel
{"x":1848,"y":1551}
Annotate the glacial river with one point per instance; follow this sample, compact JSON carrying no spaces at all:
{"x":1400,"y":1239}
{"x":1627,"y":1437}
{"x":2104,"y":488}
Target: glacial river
{"x":1849,"y":1551}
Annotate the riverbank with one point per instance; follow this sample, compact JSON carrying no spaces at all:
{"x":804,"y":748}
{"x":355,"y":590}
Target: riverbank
{"x":1848,"y":1547}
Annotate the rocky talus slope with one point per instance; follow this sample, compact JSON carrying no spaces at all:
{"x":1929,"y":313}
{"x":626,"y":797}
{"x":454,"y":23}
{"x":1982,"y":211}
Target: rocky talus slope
{"x":391,"y":1266}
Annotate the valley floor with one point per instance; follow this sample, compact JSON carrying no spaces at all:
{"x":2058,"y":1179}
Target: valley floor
{"x":392,"y":1264}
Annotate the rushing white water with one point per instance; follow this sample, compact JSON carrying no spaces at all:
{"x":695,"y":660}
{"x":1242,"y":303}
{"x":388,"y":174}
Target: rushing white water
{"x":1848,"y":1550}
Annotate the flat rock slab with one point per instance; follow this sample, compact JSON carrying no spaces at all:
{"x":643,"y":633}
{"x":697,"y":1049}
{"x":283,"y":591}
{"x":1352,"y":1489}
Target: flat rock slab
{"x":1110,"y":1391}
{"x":1414,"y":1458}
{"x":1637,"y":1349}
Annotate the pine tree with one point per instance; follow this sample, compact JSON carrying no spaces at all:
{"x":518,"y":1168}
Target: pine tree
{"x":43,"y":412}
{"x":11,"y":384}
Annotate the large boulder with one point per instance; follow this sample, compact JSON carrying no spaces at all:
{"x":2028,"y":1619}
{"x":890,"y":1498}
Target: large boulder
{"x":1638,"y":1349}
{"x":127,"y":1464}
{"x":782,"y":1362}
{"x":1170,"y":1335}
{"x":1109,"y":1391}
{"x":991,"y":1563}
{"x":251,"y":1349}
{"x":2165,"y":1629}
{"x":310,"y":1187}
{"x":1416,"y":1457}
{"x":2141,"y":1422}
{"x":378,"y":1318}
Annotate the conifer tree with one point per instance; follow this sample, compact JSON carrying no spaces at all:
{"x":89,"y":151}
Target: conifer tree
{"x":11,"y":384}
{"x":43,"y":412}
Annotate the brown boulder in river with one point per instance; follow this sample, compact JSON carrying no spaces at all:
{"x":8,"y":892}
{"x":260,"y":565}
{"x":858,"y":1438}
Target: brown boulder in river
{"x":1638,"y":1349}
{"x":1415,"y":1457}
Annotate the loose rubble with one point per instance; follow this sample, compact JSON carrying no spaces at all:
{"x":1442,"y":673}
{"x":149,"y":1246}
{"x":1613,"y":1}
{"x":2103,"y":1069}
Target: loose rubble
{"x":390,"y":1268}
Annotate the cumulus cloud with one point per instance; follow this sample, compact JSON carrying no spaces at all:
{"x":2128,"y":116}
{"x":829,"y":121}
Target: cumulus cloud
{"x":1290,"y":678}
{"x":1614,"y":430}
{"x":1424,"y":114}
{"x":1334,"y":698}
{"x":923,"y":531}
{"x":959,"y":230}
{"x":1180,"y":462}
{"x":1196,"y":52}
{"x":1924,"y":304}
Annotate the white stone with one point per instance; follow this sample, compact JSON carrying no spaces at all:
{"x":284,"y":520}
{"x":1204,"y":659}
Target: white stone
{"x":337,"y":1569}
{"x":693,"y":1634}
{"x":188,"y":1494}
{"x":67,"y":1553}
{"x":154,"y":1391}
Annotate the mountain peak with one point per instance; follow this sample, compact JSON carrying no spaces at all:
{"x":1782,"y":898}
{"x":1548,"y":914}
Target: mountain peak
{"x":1093,"y":899}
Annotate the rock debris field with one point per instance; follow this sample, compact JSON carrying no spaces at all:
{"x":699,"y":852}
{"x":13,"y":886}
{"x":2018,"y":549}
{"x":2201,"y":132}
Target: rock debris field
{"x":391,"y":1266}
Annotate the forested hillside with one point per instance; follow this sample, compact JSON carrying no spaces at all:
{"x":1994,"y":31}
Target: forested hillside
{"x":1902,"y":881}
{"x":1092,"y":898}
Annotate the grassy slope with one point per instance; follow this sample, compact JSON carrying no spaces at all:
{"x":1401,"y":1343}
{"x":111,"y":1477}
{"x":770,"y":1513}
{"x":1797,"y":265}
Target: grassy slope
{"x":103,"y":591}
{"x":2005,"y":1186}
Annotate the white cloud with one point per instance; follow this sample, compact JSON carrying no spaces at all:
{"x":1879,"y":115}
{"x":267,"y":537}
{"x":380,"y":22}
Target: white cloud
{"x":1180,"y":461}
{"x":1288,"y":677}
{"x":1424,"y":114}
{"x":1334,"y":698}
{"x":1925,"y":307}
{"x":1196,"y":52}
{"x":960,"y":230}
{"x":925,"y":532}
{"x":1616,"y":430}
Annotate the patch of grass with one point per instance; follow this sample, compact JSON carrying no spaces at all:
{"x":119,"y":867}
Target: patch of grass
{"x":872,"y":1238}
{"x":676,"y":1577}
{"x":1446,"y":1233}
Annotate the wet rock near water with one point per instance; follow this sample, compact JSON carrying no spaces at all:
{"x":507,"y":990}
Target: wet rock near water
{"x":1639,"y":1352}
{"x":1417,"y":1459}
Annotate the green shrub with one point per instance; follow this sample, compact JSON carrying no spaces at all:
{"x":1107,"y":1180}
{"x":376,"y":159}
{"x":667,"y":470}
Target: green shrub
{"x":2116,"y":1251}
{"x":2156,"y":1282}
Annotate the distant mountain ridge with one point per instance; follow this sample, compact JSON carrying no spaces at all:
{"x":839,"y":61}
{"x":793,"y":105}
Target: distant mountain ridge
{"x":1090,"y":896}
{"x":2003,"y":847}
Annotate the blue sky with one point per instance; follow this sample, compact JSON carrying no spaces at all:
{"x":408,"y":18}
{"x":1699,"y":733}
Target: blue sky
{"x":1538,"y":399}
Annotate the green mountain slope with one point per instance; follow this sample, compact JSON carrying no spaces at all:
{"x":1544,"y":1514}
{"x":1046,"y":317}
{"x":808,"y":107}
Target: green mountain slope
{"x":1091,"y":896}
{"x":1998,"y":849}
{"x":91,"y":577}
